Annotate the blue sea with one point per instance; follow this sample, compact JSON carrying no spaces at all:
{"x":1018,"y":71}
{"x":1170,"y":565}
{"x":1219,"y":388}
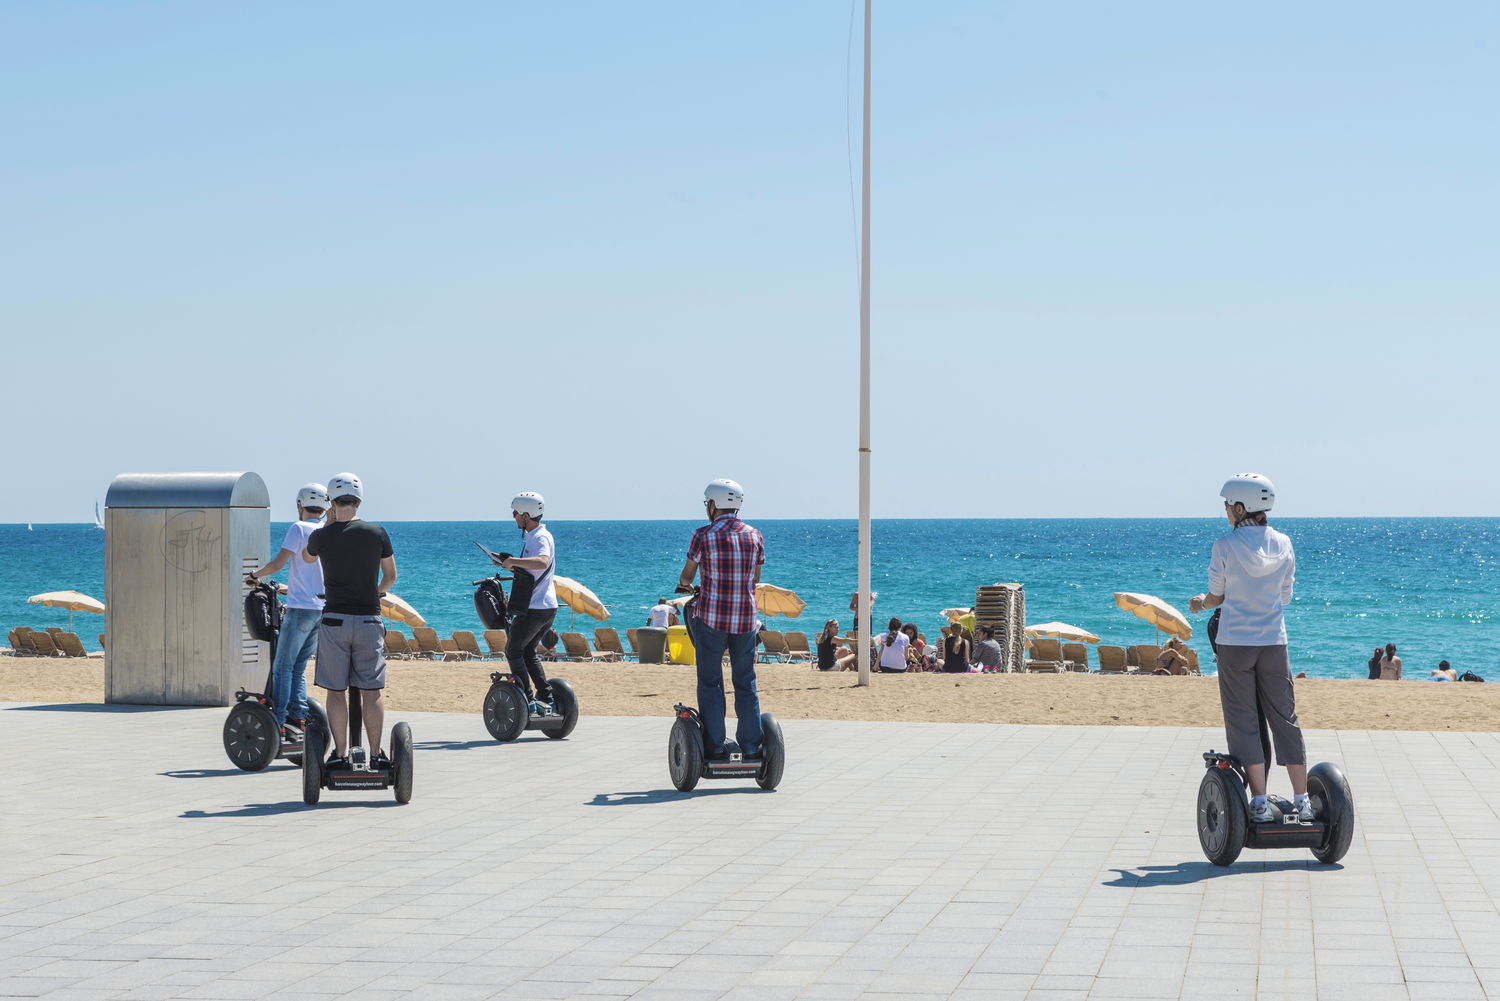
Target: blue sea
{"x":1429,"y":585}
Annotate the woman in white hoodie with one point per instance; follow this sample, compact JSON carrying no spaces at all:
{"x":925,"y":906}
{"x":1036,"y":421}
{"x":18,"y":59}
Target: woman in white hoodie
{"x":1250,"y":573}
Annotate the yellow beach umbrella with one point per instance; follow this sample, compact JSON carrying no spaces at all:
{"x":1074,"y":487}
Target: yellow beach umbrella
{"x":1062,"y":631}
{"x":397,"y":610}
{"x":579,"y":598}
{"x":1163,"y":616}
{"x":73,"y":601}
{"x":773,"y":600}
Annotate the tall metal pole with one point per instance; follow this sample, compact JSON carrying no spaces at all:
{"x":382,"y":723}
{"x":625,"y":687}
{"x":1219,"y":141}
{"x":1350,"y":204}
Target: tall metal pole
{"x":863,"y":624}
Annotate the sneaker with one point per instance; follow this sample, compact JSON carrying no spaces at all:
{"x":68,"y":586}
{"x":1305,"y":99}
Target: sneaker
{"x":380,"y":762}
{"x":290,"y":734}
{"x":1305,"y":812}
{"x":754,"y":755}
{"x":336,"y":765}
{"x":1261,"y":814}
{"x":719,"y":755}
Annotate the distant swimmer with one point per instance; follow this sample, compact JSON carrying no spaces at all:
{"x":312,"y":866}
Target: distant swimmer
{"x":1250,"y":573}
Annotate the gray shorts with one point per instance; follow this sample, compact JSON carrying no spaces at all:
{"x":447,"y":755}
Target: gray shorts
{"x":1264,"y":672}
{"x":351,"y":652}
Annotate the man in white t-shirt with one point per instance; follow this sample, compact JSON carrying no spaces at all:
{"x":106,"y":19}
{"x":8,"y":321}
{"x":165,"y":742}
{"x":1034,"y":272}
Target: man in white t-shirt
{"x":661,"y":614}
{"x":304,"y":610}
{"x":533,"y":599}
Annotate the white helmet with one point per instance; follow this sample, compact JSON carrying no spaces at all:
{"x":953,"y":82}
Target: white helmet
{"x":1250,"y":489}
{"x":529,"y":503}
{"x":313,"y":495}
{"x":346,"y":485}
{"x":727,"y":495}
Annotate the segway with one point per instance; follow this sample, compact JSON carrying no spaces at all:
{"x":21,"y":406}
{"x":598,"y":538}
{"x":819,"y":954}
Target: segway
{"x":361,"y":772}
{"x":687,"y":757}
{"x":1224,"y":826}
{"x":251,"y":737}
{"x":507,"y":709}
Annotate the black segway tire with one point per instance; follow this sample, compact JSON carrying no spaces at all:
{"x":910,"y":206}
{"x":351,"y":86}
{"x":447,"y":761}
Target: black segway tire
{"x":773,"y":752}
{"x":685,"y":754}
{"x":1223,"y":817}
{"x":401,"y":762}
{"x":567,"y":704}
{"x":1333,"y":804}
{"x":313,"y":753}
{"x":251,"y":737}
{"x":505,"y":711}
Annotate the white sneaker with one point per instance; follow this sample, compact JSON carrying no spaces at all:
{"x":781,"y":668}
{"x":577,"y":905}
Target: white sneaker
{"x":1261,"y":814}
{"x":1305,"y":813}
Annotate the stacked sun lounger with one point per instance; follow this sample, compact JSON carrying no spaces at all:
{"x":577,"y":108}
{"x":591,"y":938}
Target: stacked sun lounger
{"x":1003,"y":608}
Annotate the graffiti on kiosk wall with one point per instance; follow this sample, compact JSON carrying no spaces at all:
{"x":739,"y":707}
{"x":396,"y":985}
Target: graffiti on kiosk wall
{"x":188,"y":543}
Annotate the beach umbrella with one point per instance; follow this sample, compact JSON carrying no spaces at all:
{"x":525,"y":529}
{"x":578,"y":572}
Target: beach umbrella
{"x":952,"y":613}
{"x":1163,"y":616}
{"x":1062,"y":631}
{"x":397,"y":610}
{"x":73,"y":601}
{"x":773,"y":600}
{"x":679,"y":601}
{"x":578,"y":599}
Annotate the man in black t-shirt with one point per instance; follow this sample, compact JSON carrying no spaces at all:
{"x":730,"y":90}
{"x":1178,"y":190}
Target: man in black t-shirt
{"x":358,"y":567}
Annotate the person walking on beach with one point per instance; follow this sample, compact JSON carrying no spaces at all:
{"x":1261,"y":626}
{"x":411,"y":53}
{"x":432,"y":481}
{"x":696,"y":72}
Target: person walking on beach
{"x":533,"y":598}
{"x":1390,"y":664}
{"x":1374,"y":664}
{"x":358,"y":567}
{"x":730,"y":553}
{"x":1250,"y":573}
{"x":299,"y":626}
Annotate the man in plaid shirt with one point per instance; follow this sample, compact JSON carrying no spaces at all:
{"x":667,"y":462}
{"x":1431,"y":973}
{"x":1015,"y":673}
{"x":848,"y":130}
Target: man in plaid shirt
{"x":730,"y":554}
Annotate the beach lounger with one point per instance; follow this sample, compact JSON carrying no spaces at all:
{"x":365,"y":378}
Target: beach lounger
{"x":1076,"y":657}
{"x":1046,"y":656}
{"x":16,"y":649}
{"x":54,"y":632}
{"x":23,"y":634}
{"x":773,"y":646}
{"x":576,"y":647}
{"x":797,"y":648}
{"x":1146,"y":657}
{"x":101,"y":642}
{"x":635,"y":648}
{"x":606,"y":640}
{"x":468,"y":644}
{"x":1192,"y":656}
{"x":395,"y":645}
{"x":70,"y":645}
{"x":1112,"y":660}
{"x":495,"y":640}
{"x":428,"y":644}
{"x":44,"y":645}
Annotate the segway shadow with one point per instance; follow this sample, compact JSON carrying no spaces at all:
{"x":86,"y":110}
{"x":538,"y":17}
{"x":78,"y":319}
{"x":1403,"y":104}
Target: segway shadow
{"x":361,"y":772}
{"x":251,"y":737}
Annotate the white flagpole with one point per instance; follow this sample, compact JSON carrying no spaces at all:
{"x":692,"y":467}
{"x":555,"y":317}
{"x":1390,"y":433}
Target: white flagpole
{"x":863,"y":624}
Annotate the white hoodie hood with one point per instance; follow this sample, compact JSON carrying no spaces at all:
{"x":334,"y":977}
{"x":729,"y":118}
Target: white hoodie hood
{"x":1260,"y":549}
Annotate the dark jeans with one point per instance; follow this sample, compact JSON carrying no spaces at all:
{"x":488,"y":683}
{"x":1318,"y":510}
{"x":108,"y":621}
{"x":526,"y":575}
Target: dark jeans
{"x":710,"y":644}
{"x":526,"y":629}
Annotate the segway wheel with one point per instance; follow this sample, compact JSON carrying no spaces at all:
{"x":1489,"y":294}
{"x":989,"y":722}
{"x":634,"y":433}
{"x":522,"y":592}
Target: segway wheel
{"x":1333,"y":804}
{"x":401,"y":762}
{"x":1223,"y":819}
{"x":317,"y":716}
{"x":313,"y":753}
{"x":773,"y":752}
{"x":685,"y":755}
{"x":505,"y":711}
{"x":567,"y":704}
{"x":251,"y":737}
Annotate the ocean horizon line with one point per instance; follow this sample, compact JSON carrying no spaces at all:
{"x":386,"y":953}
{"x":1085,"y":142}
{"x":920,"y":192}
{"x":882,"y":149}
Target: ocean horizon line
{"x":700,"y":520}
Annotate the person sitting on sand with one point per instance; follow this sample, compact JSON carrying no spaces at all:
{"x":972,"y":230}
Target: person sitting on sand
{"x":1173,"y":658}
{"x":1390,"y":664}
{"x":987,"y":653}
{"x":832,"y":657}
{"x":1374,"y":664}
{"x":955,"y":650}
{"x":893,"y":649}
{"x":1444,"y":672}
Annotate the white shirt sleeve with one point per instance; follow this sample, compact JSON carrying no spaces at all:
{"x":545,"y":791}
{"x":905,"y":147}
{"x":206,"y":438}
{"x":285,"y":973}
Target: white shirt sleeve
{"x":1286,"y":582}
{"x":1216,"y":563}
{"x":293,"y":541}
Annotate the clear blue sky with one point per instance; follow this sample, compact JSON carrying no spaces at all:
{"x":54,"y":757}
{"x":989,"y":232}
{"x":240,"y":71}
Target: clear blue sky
{"x":606,"y":251}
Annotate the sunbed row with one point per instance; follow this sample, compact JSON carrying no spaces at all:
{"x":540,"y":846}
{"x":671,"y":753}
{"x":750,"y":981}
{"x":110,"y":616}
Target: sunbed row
{"x":425,"y":644}
{"x":51,"y":642}
{"x":1051,"y":656}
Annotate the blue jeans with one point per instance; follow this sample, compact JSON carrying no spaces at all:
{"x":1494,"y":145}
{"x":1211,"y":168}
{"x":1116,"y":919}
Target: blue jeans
{"x":297,"y":642}
{"x":710,"y":644}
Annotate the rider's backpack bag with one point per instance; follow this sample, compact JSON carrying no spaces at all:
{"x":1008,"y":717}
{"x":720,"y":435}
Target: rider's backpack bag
{"x":263,"y":614}
{"x":1213,"y":629}
{"x":489,"y":602}
{"x":1469,"y":676}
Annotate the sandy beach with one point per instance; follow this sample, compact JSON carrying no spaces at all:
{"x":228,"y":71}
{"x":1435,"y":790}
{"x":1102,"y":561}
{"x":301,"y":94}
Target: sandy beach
{"x":795,"y":691}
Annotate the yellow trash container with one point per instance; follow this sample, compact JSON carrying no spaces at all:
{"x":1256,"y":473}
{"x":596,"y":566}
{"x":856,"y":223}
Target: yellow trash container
{"x":679,"y":646}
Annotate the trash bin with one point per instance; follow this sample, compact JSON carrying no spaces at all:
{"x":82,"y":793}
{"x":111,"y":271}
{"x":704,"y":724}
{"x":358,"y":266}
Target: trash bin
{"x":679,"y":644}
{"x":651,"y":642}
{"x":177,"y":547}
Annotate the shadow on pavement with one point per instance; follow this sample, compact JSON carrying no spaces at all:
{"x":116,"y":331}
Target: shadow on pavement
{"x":468,"y":745}
{"x":1197,"y":872}
{"x":276,"y":809}
{"x":663,"y":795}
{"x":213,"y":773}
{"x":95,"y":707}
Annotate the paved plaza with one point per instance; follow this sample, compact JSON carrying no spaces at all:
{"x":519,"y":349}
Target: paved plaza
{"x":897,"y":860}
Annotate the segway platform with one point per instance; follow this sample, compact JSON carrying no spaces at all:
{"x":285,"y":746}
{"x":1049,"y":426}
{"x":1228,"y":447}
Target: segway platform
{"x":360,"y":772}
{"x":1224,"y":827}
{"x":507,"y":709}
{"x":687,"y":761}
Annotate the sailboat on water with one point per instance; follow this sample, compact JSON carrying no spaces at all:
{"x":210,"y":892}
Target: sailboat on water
{"x":98,"y":521}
